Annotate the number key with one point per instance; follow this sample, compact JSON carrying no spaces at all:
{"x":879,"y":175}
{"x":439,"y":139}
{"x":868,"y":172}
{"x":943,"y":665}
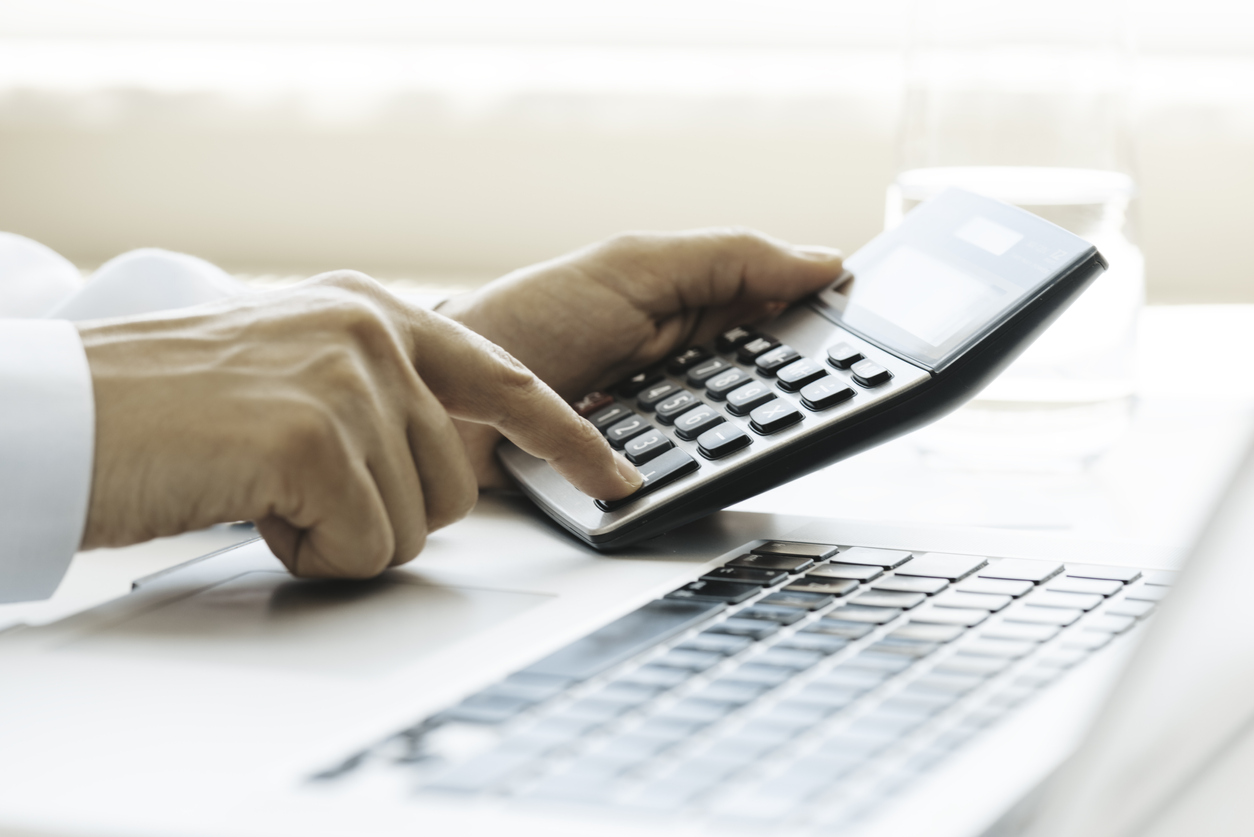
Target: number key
{"x":718,"y":386}
{"x":625,"y":430}
{"x":696,"y":421}
{"x":743,"y":400}
{"x":646,"y":446}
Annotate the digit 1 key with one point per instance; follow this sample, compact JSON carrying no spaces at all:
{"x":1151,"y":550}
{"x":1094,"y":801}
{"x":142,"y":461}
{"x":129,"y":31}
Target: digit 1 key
{"x":664,"y":469}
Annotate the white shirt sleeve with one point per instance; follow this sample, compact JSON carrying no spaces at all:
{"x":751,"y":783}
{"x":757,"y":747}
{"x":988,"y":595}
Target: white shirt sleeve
{"x":47,"y":439}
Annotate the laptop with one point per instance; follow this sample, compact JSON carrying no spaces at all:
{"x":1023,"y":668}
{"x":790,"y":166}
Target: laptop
{"x":876,"y":680}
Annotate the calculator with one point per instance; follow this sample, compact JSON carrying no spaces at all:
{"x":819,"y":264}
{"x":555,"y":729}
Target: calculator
{"x":923,"y":318}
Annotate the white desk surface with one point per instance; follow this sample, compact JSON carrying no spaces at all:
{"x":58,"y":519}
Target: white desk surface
{"x":1154,"y":489}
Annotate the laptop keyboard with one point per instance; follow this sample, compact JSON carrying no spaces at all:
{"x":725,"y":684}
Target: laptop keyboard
{"x":793,"y":681}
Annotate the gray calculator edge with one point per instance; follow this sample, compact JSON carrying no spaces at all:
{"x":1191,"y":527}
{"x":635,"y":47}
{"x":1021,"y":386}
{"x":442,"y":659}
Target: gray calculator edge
{"x":918,"y":393}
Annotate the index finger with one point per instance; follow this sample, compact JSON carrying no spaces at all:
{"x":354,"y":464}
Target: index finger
{"x":478,"y":381}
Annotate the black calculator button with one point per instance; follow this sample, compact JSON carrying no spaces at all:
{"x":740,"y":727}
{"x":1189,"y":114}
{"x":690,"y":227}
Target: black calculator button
{"x":591,"y":403}
{"x":609,"y":416}
{"x":647,"y":446}
{"x":722,"y":440}
{"x":695,"y":422}
{"x":632,"y":386}
{"x":686,"y":359}
{"x":706,"y":369}
{"x":729,"y":340}
{"x":796,"y":375}
{"x":774,"y":416}
{"x":824,"y":393}
{"x":842,"y":355}
{"x":718,"y":386}
{"x":628,"y":428}
{"x":868,"y":373}
{"x":673,"y":406}
{"x":749,"y":350}
{"x":649,"y":396}
{"x":742,"y":401}
{"x":666,"y":468}
{"x":768,"y":363}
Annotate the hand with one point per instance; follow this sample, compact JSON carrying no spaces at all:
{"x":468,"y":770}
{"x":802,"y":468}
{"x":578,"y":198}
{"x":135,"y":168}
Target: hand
{"x":324,"y":413}
{"x":588,"y":319}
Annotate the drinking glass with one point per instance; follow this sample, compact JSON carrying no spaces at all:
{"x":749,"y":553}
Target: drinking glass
{"x":1027,"y":102}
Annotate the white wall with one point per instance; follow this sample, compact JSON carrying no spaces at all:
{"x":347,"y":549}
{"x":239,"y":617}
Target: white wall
{"x":472,"y":161}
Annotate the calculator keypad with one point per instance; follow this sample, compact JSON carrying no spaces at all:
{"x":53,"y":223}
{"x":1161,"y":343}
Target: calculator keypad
{"x":726,"y":402}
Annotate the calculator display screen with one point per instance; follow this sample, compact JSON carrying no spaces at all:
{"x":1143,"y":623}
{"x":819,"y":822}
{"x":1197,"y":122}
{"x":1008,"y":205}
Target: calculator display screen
{"x":935,"y":303}
{"x":949,"y":273}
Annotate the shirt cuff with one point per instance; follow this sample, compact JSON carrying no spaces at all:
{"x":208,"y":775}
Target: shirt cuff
{"x":47,"y":444}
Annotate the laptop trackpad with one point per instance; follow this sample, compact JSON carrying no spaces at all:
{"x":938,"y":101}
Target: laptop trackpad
{"x":271,"y":620}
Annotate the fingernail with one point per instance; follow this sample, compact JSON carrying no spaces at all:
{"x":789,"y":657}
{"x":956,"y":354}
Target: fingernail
{"x":628,"y":472}
{"x":819,"y":253}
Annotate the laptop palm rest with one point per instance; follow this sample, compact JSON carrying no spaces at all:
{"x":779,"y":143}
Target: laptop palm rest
{"x":268,"y":619}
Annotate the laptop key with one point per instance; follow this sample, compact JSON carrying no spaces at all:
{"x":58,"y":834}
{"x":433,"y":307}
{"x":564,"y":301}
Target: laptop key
{"x":842,"y":628}
{"x":1148,"y":593}
{"x":716,"y":591}
{"x":829,"y":586}
{"x":814,"y":641}
{"x":1022,"y":631}
{"x":1135,"y":609}
{"x":887,"y":559}
{"x":942,"y":565}
{"x":732,"y":691}
{"x":797,"y":549}
{"x":901,"y":648}
{"x":689,"y":659}
{"x":902,"y":584}
{"x":1124,"y":574}
{"x":970,"y":664}
{"x":1091,"y":586}
{"x":745,"y":575}
{"x":1077,"y":601}
{"x":788,"y":563}
{"x":887,"y":598}
{"x":1044,"y":615}
{"x":719,"y":643}
{"x":854,"y":572}
{"x":995,"y":586}
{"x":1011,"y":649}
{"x":1088,"y":640}
{"x":1162,"y":578}
{"x":979,"y":601}
{"x":775,"y":613}
{"x":967,"y":616}
{"x":1021,"y":569}
{"x":624,"y":638}
{"x":662,"y":677}
{"x":762,"y":674}
{"x":873,"y":615}
{"x":1109,"y":623}
{"x":794,"y":658}
{"x":928,"y":633}
{"x":755,"y":628}
{"x":799,"y":599}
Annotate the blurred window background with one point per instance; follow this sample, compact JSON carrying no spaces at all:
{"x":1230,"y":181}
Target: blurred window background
{"x":456,"y":141}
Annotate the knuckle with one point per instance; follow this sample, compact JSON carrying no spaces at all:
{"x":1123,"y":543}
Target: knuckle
{"x":308,"y":437}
